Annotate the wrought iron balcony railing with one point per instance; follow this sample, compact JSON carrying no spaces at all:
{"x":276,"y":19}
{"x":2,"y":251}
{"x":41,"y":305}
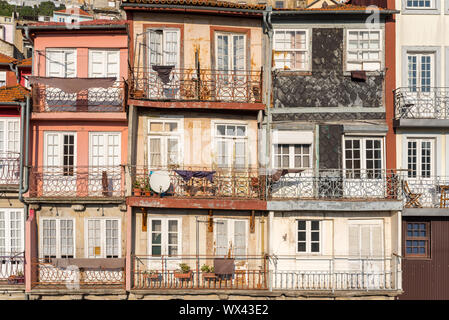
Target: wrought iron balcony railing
{"x":78,"y":273}
{"x":197,"y":183}
{"x":235,"y":273}
{"x":76,"y":182}
{"x":50,"y":99}
{"x":9,"y":168}
{"x":425,"y":192}
{"x":197,"y":85}
{"x":335,"y":184}
{"x":421,"y":103}
{"x":12,"y":268}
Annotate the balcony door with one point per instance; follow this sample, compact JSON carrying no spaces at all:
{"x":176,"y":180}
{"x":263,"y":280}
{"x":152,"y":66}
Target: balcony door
{"x":421,"y":86}
{"x":164,"y":244}
{"x":9,"y":150}
{"x":11,"y":241}
{"x":103,"y":64}
{"x":363,"y":168}
{"x":60,"y":63}
{"x":59,"y":171}
{"x":231,"y":80}
{"x":105,"y":175}
{"x":163,"y":51}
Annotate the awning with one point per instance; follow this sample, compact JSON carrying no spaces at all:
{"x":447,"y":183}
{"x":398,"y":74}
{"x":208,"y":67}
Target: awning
{"x":73,"y":85}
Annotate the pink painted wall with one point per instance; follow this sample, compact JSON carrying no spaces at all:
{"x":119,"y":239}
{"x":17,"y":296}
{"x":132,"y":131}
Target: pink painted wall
{"x":83,"y":42}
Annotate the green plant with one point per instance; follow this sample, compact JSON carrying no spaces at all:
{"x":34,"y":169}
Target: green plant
{"x":20,"y":274}
{"x":136,"y":184}
{"x":207,"y":269}
{"x":146,"y":184}
{"x":184,"y":268}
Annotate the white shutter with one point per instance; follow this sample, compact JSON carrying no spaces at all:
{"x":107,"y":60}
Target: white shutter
{"x":155,"y":152}
{"x":97,"y":149}
{"x":377,"y":243}
{"x":240,"y":238}
{"x":155,"y":47}
{"x":13,"y":135}
{"x":113,"y":151}
{"x":239,"y":52}
{"x":16,"y":229}
{"x":240,"y":154}
{"x":365,"y":245}
{"x":94,"y":237}
{"x":222,"y":52}
{"x":97,"y":64}
{"x":55,"y":64}
{"x":222,"y":238}
{"x":2,"y":233}
{"x":2,"y":136}
{"x":354,"y":240}
{"x":113,"y":64}
{"x":171,"y":47}
{"x":70,"y":64}
{"x":53,"y":152}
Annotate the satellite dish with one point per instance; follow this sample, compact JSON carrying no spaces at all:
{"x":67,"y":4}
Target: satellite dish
{"x":160,"y":181}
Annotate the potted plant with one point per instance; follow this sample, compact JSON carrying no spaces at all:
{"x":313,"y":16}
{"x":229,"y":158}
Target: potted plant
{"x":208,"y":272}
{"x":146,"y":187}
{"x":136,"y":187}
{"x":184,"y":272}
{"x":19,"y":278}
{"x":152,"y":275}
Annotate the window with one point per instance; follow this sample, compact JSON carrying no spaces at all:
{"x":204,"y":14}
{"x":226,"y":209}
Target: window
{"x":421,"y":4}
{"x":164,"y":142}
{"x":292,"y":156}
{"x":164,"y":47}
{"x":103,"y":238}
{"x":363,"y":157}
{"x":420,"y":162}
{"x":7,"y":19}
{"x":291,"y":49}
{"x":104,"y":63}
{"x":104,"y":149}
{"x":365,"y":239}
{"x":417,"y":239}
{"x":60,"y":151}
{"x":230,"y":234}
{"x":279,"y":4}
{"x":230,"y":50}
{"x":2,"y":78}
{"x":11,"y":231}
{"x":57,"y":238}
{"x":165,"y":238}
{"x":308,"y":236}
{"x":421,"y":72}
{"x":61,"y":63}
{"x":231,"y":145}
{"x":9,"y":135}
{"x":364,"y":51}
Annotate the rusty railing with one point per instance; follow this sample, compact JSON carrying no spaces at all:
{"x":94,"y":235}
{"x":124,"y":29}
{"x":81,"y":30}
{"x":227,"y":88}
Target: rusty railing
{"x":9,"y":168}
{"x":163,"y":272}
{"x":191,"y":182}
{"x":198,"y":85}
{"x":46,"y":273}
{"x":12,"y":268}
{"x":80,"y":181}
{"x":50,"y":99}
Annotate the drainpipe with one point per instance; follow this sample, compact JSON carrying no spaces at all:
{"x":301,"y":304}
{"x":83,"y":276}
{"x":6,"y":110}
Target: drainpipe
{"x":13,"y":67}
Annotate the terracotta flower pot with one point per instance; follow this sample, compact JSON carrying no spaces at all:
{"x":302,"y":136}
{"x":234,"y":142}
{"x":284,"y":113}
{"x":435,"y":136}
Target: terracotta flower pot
{"x":187,"y":275}
{"x":136,"y":191}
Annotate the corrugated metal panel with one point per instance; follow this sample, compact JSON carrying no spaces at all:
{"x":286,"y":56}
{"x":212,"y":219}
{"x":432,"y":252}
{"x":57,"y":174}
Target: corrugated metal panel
{"x":428,"y":279}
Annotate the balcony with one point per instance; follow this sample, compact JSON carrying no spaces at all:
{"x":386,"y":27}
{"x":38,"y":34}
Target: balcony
{"x":9,"y":170}
{"x":335,"y":184}
{"x":200,"y":183}
{"x":74,"y":274}
{"x":235,"y":273}
{"x":197,"y":85}
{"x":12,"y":268}
{"x":52,"y":99}
{"x":426,"y":103}
{"x":94,"y":182}
{"x":426,"y":192}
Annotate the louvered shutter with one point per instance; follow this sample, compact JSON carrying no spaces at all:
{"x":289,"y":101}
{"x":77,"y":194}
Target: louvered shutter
{"x":222,"y":237}
{"x":240,"y":238}
{"x":354,"y":240}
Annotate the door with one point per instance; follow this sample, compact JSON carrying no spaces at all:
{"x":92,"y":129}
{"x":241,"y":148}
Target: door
{"x":105,"y":174}
{"x":165,"y":245}
{"x":9,"y":150}
{"x":11,"y":242}
{"x":105,"y":64}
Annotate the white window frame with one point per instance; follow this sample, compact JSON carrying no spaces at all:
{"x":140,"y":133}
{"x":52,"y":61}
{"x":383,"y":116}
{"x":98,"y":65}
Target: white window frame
{"x":292,"y":155}
{"x":371,"y":223}
{"x":309,"y":237}
{"x":61,"y":146}
{"x":104,"y":52}
{"x":433,"y":75}
{"x":106,"y":146}
{"x":363,"y":169}
{"x":359,"y":50}
{"x":231,"y":232}
{"x":7,"y":228}
{"x":164,"y":234}
{"x":419,"y":156}
{"x":58,"y":235}
{"x":216,"y":138}
{"x":47,"y":65}
{"x":164,"y":136}
{"x":2,"y":78}
{"x":102,"y":236}
{"x":231,"y":65}
{"x":164,"y":30}
{"x":6,"y":141}
{"x":431,"y":7}
{"x":306,"y":50}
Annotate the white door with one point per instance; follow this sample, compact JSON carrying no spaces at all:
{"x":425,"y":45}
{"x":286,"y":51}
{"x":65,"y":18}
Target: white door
{"x":104,"y":64}
{"x":366,"y":252}
{"x":11,"y":242}
{"x":61,"y":63}
{"x":105,"y":176}
{"x":9,"y":150}
{"x":165,"y":244}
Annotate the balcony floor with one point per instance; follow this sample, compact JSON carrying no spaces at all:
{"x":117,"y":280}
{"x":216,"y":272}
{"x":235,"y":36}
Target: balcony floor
{"x":223,"y":105}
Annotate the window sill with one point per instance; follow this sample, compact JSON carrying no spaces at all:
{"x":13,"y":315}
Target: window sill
{"x":293,"y":72}
{"x":420,"y":11}
{"x":368,"y":73}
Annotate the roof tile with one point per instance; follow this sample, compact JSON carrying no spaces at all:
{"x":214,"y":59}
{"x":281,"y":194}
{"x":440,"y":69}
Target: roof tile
{"x":13,"y":93}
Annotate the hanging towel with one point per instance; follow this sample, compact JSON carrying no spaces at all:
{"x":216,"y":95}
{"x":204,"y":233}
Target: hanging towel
{"x":163,"y":72}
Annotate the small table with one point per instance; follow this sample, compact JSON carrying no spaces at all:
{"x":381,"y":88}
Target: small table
{"x":444,"y":198}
